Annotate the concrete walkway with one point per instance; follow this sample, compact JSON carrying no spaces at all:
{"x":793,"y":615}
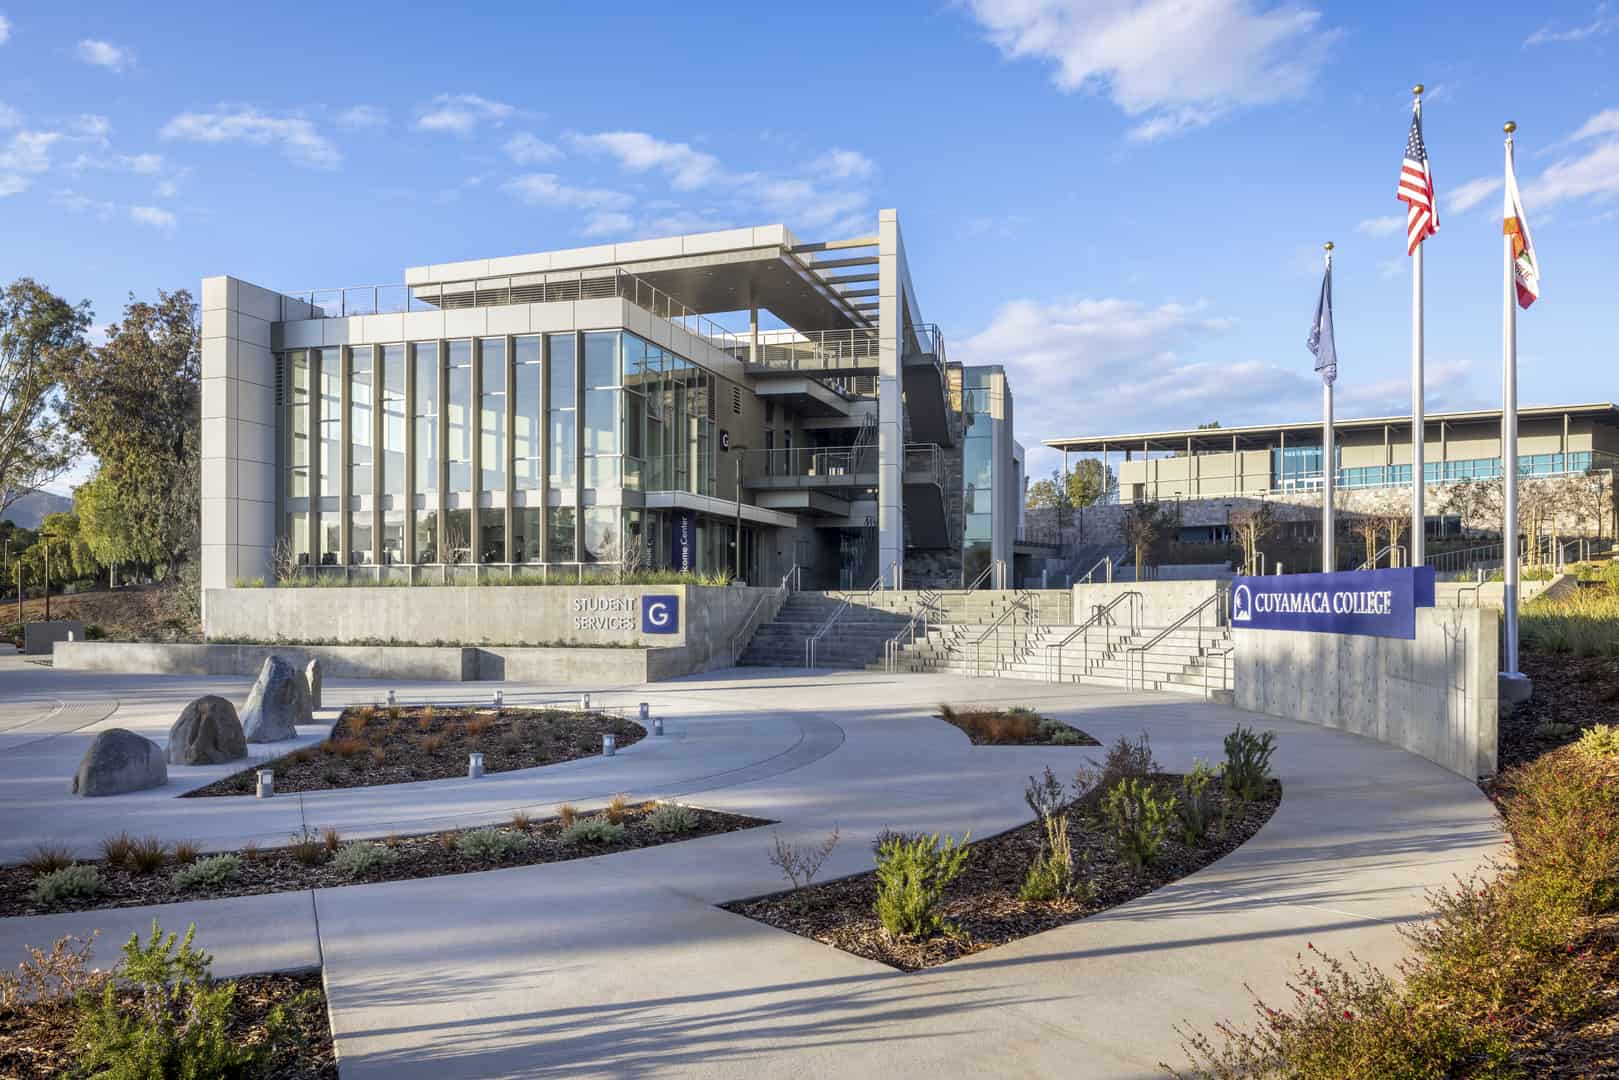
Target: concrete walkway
{"x":622,"y":965}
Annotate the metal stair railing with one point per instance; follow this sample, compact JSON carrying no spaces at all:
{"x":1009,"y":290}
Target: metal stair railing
{"x":1101,"y":615}
{"x":925,"y":605}
{"x":814,"y":639}
{"x":1214,"y":606}
{"x":1105,"y":560}
{"x":980,"y":579}
{"x":1025,"y":604}
{"x":1225,"y":667}
{"x":1397,"y":550}
{"x":772,"y":600}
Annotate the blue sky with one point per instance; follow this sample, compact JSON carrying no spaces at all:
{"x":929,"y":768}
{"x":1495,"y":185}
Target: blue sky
{"x":1122,"y":202}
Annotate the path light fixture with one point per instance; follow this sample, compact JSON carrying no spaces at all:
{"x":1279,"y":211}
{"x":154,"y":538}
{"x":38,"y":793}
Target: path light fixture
{"x":609,"y":744}
{"x":474,"y":765}
{"x":584,"y":702}
{"x":266,"y":787}
{"x":657,"y":726}
{"x":390,"y":699}
{"x":500,"y":699}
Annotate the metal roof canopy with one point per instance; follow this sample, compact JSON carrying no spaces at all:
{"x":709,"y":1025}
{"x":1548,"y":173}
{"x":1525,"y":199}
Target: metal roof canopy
{"x":1219,"y":439}
{"x":771,"y":277}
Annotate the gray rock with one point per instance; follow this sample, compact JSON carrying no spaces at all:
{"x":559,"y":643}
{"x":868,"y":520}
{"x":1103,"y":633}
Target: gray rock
{"x":207,"y":733}
{"x":117,"y":762}
{"x":312,"y":677}
{"x":279,"y":702}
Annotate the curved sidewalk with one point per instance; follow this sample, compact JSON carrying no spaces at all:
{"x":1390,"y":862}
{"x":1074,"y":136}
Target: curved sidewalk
{"x":622,"y":965}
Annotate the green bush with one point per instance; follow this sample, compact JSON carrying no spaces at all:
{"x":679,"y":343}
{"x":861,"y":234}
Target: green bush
{"x":491,"y":844}
{"x":1563,"y":814}
{"x":358,"y":860}
{"x":64,"y":884}
{"x":176,"y":1023}
{"x":669,"y":819}
{"x":593,"y":830}
{"x":1601,"y":741}
{"x":1139,"y":820}
{"x":1247,"y":762}
{"x":209,"y":873}
{"x":911,"y":878}
{"x":1194,"y":807}
{"x":1583,"y":623}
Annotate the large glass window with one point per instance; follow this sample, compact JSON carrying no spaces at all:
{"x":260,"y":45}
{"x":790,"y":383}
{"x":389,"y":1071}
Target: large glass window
{"x":393,"y":419}
{"x":360,"y":460}
{"x":360,"y":536}
{"x":562,"y":529}
{"x":297,"y":535}
{"x":560,"y":373}
{"x":296,"y":390}
{"x":604,"y":539}
{"x":458,"y":447}
{"x":492,"y":422}
{"x":525,"y":536}
{"x":526,"y":431}
{"x":427,"y":537}
{"x":492,"y":536}
{"x":393,"y":537}
{"x":425,"y":359}
{"x":602,"y":421}
{"x":458,"y":536}
{"x":331,"y":540}
{"x":331,"y":422}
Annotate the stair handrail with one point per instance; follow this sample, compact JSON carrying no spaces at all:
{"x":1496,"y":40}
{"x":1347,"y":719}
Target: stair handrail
{"x":918,"y":623}
{"x":1386,"y":549}
{"x":979,"y":580}
{"x":1020,"y":603}
{"x":1217,"y":601}
{"x":1099,"y":613}
{"x":1106,"y":560}
{"x":811,"y":642}
{"x":1225,"y":668}
{"x":775,"y":598}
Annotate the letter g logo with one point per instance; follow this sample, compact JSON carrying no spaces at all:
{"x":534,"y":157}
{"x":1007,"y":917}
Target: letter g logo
{"x":660,"y":614}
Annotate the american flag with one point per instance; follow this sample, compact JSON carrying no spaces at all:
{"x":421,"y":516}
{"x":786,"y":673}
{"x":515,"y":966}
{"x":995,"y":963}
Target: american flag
{"x":1416,"y":189}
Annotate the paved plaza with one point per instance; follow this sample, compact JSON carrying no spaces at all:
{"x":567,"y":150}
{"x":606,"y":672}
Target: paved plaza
{"x":623,"y":965}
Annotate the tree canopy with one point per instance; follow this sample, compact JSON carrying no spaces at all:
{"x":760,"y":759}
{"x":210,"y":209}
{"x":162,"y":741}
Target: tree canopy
{"x":41,"y":337}
{"x":1086,"y":484}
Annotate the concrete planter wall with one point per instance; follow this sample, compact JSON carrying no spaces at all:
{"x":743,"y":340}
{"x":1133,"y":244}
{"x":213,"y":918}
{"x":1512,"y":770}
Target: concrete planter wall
{"x":1435,"y":696}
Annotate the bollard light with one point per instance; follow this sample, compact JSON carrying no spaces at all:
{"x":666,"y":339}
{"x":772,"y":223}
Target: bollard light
{"x":584,"y":702}
{"x":500,"y":698}
{"x":645,"y":710}
{"x":609,"y":744}
{"x":474,"y":765}
{"x":266,"y":786}
{"x":657,"y":726}
{"x":390,"y":699}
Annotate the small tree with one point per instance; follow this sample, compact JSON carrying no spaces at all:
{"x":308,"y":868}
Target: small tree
{"x":1088,"y":482}
{"x":1370,"y":531}
{"x":1142,"y":527}
{"x":41,"y":338}
{"x":1253,"y":524}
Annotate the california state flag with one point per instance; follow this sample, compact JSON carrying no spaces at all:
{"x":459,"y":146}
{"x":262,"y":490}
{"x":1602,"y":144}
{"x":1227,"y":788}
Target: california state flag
{"x":1525,"y":269}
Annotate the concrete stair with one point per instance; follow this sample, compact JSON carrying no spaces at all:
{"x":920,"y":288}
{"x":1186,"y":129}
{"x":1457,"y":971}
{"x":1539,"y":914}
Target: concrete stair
{"x":854,"y":643}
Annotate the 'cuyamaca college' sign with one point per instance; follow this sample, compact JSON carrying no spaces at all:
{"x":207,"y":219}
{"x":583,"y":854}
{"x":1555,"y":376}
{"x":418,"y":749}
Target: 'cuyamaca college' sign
{"x":1377,"y":603}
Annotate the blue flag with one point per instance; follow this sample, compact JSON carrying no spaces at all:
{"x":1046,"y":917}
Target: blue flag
{"x":1320,"y":342}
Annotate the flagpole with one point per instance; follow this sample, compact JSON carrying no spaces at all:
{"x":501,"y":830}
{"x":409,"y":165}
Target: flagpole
{"x":1328,"y":463}
{"x":1509,"y":437}
{"x":1419,"y":426}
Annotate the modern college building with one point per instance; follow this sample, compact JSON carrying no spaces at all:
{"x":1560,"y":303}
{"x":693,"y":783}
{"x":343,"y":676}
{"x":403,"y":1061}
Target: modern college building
{"x":730,"y":401}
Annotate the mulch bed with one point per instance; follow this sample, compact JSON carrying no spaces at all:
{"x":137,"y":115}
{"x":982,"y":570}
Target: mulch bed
{"x":983,"y":902}
{"x":1572,"y":693}
{"x":1588,"y":1048}
{"x":38,"y":1041}
{"x":1012,"y":727}
{"x":372,"y":745}
{"x":427,"y":855}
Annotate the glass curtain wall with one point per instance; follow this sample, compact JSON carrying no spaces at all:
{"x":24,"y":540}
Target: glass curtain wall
{"x":393,"y":454}
{"x":977,"y":475}
{"x":424,"y":420}
{"x":492,"y":450}
{"x":527,"y":489}
{"x":361,"y":462}
{"x":560,"y":484}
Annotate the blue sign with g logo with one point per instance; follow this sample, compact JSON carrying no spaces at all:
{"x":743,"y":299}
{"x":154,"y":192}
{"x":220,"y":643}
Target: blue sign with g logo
{"x":660,"y":614}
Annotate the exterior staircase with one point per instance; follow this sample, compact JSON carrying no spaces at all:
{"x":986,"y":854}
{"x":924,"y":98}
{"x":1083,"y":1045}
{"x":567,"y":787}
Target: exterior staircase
{"x":854,"y":643}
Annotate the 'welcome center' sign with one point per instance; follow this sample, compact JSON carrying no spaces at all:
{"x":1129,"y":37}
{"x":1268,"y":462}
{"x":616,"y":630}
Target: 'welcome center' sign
{"x":1376,"y":603}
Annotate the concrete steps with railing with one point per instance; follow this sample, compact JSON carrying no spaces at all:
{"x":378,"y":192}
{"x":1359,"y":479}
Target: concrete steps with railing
{"x":855,"y":642}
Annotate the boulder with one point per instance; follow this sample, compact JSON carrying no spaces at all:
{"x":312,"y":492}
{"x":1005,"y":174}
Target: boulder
{"x":207,"y":733}
{"x":117,"y":762}
{"x":278,"y":703}
{"x":312,"y":677}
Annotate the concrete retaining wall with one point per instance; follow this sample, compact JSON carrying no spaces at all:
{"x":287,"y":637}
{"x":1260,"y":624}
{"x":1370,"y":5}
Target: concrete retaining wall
{"x":1435,"y":696}
{"x":39,"y":637}
{"x":1162,"y":602}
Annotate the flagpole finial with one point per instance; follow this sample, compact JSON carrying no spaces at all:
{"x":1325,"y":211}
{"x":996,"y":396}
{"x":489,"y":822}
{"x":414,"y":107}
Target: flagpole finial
{"x":1416,"y":91}
{"x":1327,"y":245}
{"x":1509,"y":127}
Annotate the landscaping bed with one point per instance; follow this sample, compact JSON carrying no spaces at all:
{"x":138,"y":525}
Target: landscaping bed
{"x":985,"y":904}
{"x":1014,"y":726}
{"x":1572,"y":694}
{"x":324,"y":859}
{"x":398,"y":744}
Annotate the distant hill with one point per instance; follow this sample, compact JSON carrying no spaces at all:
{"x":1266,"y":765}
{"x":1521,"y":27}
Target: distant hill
{"x":31,"y":509}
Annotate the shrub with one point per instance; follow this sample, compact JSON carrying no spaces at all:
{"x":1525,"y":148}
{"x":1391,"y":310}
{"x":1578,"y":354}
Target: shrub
{"x":1563,"y":815}
{"x":115,"y":848}
{"x":250,"y":851}
{"x":186,"y":852}
{"x":478,"y":723}
{"x":207,"y":873}
{"x":911,"y":879}
{"x":566,"y":814}
{"x":146,"y":855}
{"x":618,"y":809}
{"x":593,"y":831}
{"x":1063,"y":735}
{"x":1139,"y":820}
{"x":358,"y":860}
{"x":1046,"y":795}
{"x":799,"y":863}
{"x":48,"y":978}
{"x":424,"y":722}
{"x":177,"y":1022}
{"x":1584,"y":623}
{"x":1194,"y":808}
{"x":306,"y":848}
{"x":1125,"y":760}
{"x":345,"y":748}
{"x":670,"y":819}
{"x":431,"y":744}
{"x":1247,"y":762}
{"x":47,"y":859}
{"x":1051,"y":876}
{"x":331,"y":840}
{"x":521,"y":821}
{"x":490,"y":844}
{"x":66,"y":883}
{"x":1601,"y":741}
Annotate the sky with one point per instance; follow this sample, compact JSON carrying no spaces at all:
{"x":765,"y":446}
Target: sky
{"x":1123,"y":202}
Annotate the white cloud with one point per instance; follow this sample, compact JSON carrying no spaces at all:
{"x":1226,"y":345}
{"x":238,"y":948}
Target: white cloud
{"x":609,"y":223}
{"x":1468,"y":195}
{"x":362,"y":118}
{"x":79,"y":203}
{"x":9,"y":117}
{"x":637,"y":151}
{"x":460,"y":114}
{"x":527,"y":149}
{"x":106,"y":54}
{"x":11,"y":183}
{"x":296,"y":136}
{"x":28,"y":152}
{"x":93,"y":127}
{"x":1178,"y":65}
{"x":5,"y":29}
{"x":144,"y":164}
{"x":843,"y":164}
{"x":1601,"y":23}
{"x":547,"y":189}
{"x":1605,"y":122}
{"x":155,"y":216}
{"x":1382,"y":226}
{"x":1595,"y":173}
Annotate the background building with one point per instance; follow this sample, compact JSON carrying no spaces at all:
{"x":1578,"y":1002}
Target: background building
{"x":714,"y":402}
